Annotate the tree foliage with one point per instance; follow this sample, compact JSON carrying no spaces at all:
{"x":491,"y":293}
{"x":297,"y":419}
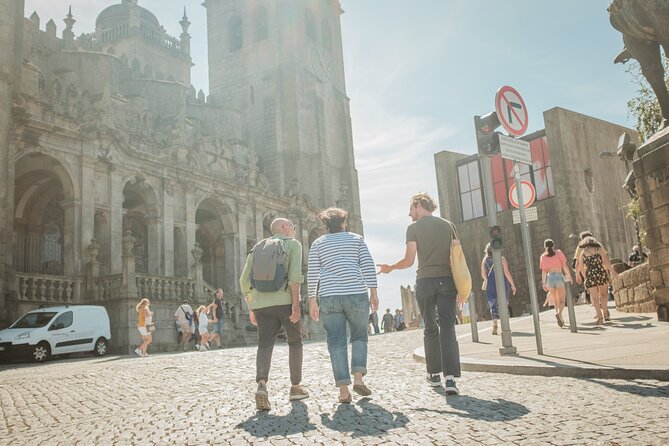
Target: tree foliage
{"x":645,"y":109}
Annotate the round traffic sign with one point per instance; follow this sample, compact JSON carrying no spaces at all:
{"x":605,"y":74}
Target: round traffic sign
{"x":511,"y":110}
{"x":529,"y":194}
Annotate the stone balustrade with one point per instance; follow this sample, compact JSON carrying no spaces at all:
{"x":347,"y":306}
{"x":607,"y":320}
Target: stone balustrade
{"x":48,"y":288}
{"x":162,"y":288}
{"x":108,"y":287}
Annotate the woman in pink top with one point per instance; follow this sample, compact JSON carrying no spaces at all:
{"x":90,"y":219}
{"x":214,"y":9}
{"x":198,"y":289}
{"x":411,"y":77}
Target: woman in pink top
{"x":553,"y":263}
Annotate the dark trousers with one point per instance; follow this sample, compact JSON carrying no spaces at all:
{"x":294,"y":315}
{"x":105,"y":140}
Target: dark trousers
{"x":437,"y":296}
{"x":270,"y":320}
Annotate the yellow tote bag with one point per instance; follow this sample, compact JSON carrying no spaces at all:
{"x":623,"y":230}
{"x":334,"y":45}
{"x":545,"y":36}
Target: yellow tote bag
{"x":461,"y":275}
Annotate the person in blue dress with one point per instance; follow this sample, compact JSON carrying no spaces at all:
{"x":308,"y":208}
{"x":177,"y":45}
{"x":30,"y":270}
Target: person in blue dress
{"x":489,"y":285}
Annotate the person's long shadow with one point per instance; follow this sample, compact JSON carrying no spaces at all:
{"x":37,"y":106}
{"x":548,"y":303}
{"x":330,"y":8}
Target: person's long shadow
{"x":264,"y":424}
{"x":371,"y":420}
{"x":478,"y":409}
{"x":636,"y":387}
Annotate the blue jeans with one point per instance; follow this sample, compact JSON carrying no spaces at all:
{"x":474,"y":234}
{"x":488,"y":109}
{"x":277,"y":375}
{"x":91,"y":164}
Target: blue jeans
{"x":335,"y":312}
{"x":436,"y":296}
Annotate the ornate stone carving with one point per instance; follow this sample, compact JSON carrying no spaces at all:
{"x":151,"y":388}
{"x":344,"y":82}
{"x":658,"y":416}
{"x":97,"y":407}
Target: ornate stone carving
{"x":93,"y":250}
{"x":196,"y":252}
{"x":128,"y":243}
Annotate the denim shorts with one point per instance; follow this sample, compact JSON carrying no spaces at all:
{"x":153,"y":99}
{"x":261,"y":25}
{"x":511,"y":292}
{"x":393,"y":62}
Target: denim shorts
{"x":218,"y":327}
{"x":554,"y":280}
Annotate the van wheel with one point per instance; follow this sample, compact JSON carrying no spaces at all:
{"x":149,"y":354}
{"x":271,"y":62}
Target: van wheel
{"x":41,"y":352}
{"x":100,"y":348}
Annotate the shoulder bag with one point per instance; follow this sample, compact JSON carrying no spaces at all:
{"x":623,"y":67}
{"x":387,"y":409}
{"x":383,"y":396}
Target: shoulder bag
{"x":461,"y":275}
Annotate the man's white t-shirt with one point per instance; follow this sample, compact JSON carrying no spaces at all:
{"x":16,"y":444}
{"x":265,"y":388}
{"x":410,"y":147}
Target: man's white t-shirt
{"x":180,"y":314}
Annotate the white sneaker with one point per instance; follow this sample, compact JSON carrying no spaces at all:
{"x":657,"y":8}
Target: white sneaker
{"x":197,"y":347}
{"x":138,"y":352}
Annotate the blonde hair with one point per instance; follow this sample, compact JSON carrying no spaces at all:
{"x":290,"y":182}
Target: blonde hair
{"x":200,"y":308}
{"x":143,"y":303}
{"x":423,"y":200}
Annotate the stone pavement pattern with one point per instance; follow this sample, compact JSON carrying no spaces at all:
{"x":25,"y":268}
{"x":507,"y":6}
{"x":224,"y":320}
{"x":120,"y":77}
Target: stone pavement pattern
{"x":207,"y":398}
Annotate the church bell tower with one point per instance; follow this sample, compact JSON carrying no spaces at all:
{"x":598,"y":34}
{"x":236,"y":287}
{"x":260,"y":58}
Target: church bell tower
{"x":281,"y":64}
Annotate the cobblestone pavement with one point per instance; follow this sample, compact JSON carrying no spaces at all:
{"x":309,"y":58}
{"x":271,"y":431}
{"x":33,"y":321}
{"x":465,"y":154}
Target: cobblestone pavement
{"x":207,"y":398}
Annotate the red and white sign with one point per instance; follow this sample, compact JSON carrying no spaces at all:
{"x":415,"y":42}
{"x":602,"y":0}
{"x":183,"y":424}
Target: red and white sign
{"x":529,"y":194}
{"x":511,"y":110}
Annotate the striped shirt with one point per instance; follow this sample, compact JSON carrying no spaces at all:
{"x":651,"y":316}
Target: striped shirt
{"x":339,"y":265}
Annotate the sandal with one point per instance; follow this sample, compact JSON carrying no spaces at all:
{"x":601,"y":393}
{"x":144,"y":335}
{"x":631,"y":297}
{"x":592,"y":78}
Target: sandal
{"x":346,"y":400}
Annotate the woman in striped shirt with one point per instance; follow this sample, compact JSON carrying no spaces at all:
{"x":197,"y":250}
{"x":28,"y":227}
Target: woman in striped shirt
{"x":341,"y":270}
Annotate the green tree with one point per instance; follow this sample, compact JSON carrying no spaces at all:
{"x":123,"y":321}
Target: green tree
{"x":644,"y":108}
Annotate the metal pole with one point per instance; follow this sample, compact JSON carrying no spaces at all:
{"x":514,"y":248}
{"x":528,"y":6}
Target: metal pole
{"x":473,"y":318}
{"x":491,"y":207}
{"x":570,"y":306}
{"x":528,"y":259}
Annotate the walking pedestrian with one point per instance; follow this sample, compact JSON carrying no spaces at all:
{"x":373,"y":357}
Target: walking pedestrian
{"x":490,"y":285}
{"x":144,"y":324}
{"x":203,"y":328}
{"x":184,"y":317}
{"x":553,"y":264}
{"x":216,"y":308}
{"x":596,"y":267}
{"x":399,"y":320}
{"x":341,"y":271}
{"x":429,"y":238}
{"x":374,"y":321}
{"x":278,"y":307}
{"x":387,"y":322}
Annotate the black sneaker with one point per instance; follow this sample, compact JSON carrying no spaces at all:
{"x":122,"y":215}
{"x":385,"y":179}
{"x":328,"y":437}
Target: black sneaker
{"x":450,"y":387}
{"x":434,"y":380}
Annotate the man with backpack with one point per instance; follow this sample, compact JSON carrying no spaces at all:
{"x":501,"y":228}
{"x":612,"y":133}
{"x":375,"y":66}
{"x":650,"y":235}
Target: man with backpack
{"x":271,"y":283}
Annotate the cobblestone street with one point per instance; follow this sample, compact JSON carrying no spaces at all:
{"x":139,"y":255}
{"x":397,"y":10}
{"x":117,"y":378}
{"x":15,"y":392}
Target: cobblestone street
{"x":207,"y":398}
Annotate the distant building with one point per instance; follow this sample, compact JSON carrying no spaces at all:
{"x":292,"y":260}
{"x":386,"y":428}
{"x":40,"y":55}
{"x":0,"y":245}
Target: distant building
{"x":577,"y":190}
{"x":121,"y":181}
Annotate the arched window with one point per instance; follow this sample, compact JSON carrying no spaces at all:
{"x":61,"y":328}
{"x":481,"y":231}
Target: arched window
{"x":260,"y":31}
{"x":236,"y":36}
{"x":310,"y":25}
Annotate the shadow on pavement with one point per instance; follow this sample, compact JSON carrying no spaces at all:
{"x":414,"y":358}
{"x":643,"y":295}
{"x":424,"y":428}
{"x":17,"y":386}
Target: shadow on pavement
{"x":264,"y":424}
{"x":636,"y":387}
{"x":372,"y":420}
{"x":478,"y":409}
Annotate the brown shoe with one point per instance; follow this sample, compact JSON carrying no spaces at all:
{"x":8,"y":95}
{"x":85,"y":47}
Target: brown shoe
{"x":297,"y":393}
{"x":262,"y":398}
{"x":362,"y":390}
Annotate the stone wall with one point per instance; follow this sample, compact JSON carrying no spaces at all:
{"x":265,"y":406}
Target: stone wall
{"x":652,"y":173}
{"x":633,"y":291}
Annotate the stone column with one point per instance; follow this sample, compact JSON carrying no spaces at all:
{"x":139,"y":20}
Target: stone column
{"x":87,"y":217}
{"x":196,"y":252}
{"x":259,"y":224}
{"x":129,"y":282}
{"x":652,"y":185}
{"x":191,"y":227}
{"x":232,"y":271}
{"x":155,"y":235}
{"x":71,"y":237}
{"x":241,"y":233}
{"x":168,"y":229}
{"x":92,"y":270}
{"x":116,"y":221}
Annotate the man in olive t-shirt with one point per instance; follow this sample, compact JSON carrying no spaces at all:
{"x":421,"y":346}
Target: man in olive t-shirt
{"x":429,"y":238}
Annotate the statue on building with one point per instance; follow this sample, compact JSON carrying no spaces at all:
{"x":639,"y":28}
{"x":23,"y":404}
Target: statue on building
{"x":643,"y":24}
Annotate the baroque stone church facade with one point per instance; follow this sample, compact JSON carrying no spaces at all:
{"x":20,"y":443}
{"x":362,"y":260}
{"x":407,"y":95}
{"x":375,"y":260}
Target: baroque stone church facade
{"x":119,"y":181}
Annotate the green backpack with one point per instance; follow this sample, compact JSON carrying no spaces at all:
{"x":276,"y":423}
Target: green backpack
{"x":269,"y":272}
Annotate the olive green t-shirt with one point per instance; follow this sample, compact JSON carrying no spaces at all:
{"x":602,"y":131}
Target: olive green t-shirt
{"x":433,"y":242}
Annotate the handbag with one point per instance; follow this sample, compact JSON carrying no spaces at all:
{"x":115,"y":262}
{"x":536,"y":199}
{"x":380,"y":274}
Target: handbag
{"x":151,"y":327}
{"x":461,"y":275}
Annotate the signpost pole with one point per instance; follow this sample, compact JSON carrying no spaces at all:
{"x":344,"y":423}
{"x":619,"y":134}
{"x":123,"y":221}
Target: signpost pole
{"x":491,"y":208}
{"x":528,"y":259}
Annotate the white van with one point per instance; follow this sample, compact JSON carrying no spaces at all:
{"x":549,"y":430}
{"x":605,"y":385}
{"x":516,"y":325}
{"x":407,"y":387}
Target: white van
{"x":57,"y":330}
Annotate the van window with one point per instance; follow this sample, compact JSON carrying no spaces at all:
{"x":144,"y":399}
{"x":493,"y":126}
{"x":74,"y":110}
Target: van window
{"x":62,"y":321}
{"x":34,"y":320}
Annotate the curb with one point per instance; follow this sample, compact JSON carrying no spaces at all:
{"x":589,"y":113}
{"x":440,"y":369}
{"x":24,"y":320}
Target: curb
{"x":610,"y":372}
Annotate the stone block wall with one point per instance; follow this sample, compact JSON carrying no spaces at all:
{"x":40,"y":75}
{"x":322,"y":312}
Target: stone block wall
{"x":652,"y":185}
{"x":633,"y":291}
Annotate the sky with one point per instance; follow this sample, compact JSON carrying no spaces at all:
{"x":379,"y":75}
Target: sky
{"x":418,"y":71}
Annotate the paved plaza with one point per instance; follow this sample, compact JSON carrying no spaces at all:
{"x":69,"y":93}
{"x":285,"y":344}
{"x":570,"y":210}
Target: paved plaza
{"x":207,"y":398}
